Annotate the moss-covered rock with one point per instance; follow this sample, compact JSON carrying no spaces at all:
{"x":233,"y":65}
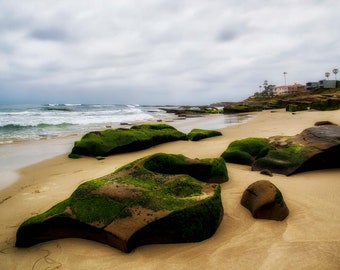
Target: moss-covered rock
{"x":141,"y":203}
{"x":315,"y":148}
{"x":282,"y":158}
{"x":211,"y":170}
{"x":112,"y":141}
{"x":199,"y":134}
{"x":246,"y":151}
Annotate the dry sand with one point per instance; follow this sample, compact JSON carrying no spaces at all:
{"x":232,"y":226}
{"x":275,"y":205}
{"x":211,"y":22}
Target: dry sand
{"x":308,"y":239}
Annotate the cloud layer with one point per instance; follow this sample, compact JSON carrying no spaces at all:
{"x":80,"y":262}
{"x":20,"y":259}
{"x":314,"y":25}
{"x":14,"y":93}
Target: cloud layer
{"x":161,"y":52}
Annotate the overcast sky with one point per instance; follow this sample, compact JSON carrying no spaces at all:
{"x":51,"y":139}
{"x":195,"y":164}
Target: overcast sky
{"x":162,"y":51}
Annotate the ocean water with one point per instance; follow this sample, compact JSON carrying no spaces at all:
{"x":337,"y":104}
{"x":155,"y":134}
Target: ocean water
{"x":32,"y":133}
{"x":35,"y":122}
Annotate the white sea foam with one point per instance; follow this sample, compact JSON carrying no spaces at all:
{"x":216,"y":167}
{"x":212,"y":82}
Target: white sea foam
{"x":25,"y":122}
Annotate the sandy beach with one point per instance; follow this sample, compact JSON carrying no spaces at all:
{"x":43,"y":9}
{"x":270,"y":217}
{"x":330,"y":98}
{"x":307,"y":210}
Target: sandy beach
{"x":309,"y":238}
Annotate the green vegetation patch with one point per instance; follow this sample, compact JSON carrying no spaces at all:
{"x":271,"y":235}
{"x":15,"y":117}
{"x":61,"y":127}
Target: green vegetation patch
{"x":96,"y":208}
{"x":247,"y":150}
{"x":199,"y":134}
{"x":218,"y":170}
{"x":284,"y":158}
{"x":112,"y":141}
{"x":199,"y":221}
{"x":202,"y":170}
{"x":86,"y":188}
{"x":180,"y":188}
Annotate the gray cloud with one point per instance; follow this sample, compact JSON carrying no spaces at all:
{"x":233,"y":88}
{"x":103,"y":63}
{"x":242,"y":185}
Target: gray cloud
{"x":156,"y":52}
{"x":49,"y":34}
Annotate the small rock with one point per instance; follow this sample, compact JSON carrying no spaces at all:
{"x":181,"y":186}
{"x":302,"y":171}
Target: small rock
{"x":266,"y":172}
{"x":324,"y":123}
{"x":265,"y":201}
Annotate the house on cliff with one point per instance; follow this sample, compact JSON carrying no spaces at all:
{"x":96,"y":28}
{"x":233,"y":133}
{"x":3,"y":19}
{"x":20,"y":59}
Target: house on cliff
{"x":329,"y":84}
{"x":324,"y":84}
{"x":295,"y":88}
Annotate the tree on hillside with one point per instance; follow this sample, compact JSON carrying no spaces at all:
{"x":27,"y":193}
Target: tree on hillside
{"x":335,"y":71}
{"x":267,"y":92}
{"x":268,"y":89}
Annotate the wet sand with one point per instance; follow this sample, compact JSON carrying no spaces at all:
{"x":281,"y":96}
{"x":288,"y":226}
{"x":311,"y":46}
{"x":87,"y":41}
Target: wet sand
{"x":308,"y":239}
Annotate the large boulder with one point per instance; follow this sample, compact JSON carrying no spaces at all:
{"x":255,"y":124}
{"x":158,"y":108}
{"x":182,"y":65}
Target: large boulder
{"x":313,"y":149}
{"x":143,"y":202}
{"x":112,"y":141}
{"x":265,"y":201}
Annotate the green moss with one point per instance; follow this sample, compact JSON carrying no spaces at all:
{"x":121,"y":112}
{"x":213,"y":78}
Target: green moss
{"x":213,"y":110}
{"x":165,"y":163}
{"x":292,"y":108}
{"x":278,"y":197}
{"x":147,"y":183}
{"x":153,"y":127}
{"x":200,"y":220}
{"x":323,"y":105}
{"x":103,"y":143}
{"x":202,"y":170}
{"x":74,"y":156}
{"x":86,"y":188}
{"x":283,"y":159}
{"x":164,"y":199}
{"x":247,"y":150}
{"x":218,"y":168}
{"x":238,"y":157}
{"x":96,"y":208}
{"x":180,"y":188}
{"x":292,"y":152}
{"x":199,"y":134}
{"x":111,"y":141}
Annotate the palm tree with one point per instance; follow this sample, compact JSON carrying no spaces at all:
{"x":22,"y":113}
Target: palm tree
{"x":284,"y":75}
{"x":335,"y":71}
{"x":327,"y":75}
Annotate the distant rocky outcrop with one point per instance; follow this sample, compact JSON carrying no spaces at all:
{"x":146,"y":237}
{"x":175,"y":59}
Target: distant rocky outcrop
{"x":328,"y":99}
{"x":321,"y":102}
{"x":265,"y":201}
{"x":199,"y":134}
{"x":158,"y":199}
{"x":112,"y":141}
{"x":192,"y":111}
{"x":313,"y":149}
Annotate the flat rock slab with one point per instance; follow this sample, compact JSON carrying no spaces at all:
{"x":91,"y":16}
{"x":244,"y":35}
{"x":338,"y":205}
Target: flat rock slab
{"x":265,"y":201}
{"x":141,"y":203}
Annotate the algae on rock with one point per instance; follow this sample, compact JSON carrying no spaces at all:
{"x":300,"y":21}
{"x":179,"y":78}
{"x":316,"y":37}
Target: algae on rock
{"x":199,"y":134}
{"x":138,"y":204}
{"x":246,"y":151}
{"x":112,"y":141}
